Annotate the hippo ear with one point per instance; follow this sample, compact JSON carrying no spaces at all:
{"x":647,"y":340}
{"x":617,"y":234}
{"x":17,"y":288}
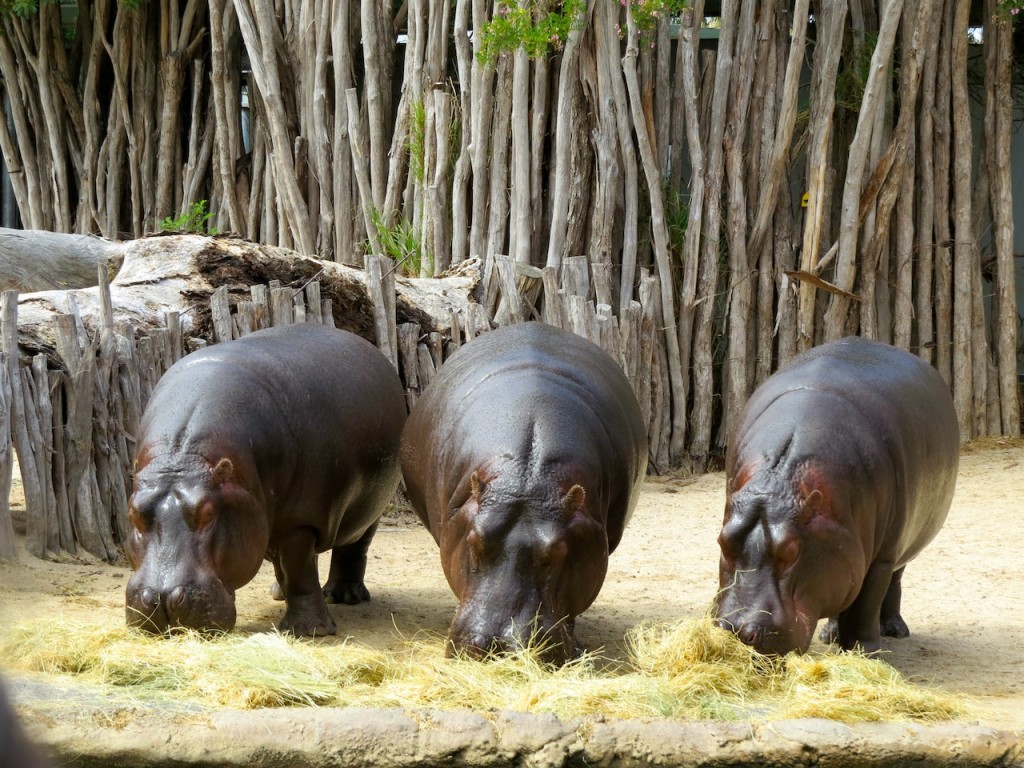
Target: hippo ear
{"x":810,"y":506}
{"x":574,"y":500}
{"x":223,"y":471}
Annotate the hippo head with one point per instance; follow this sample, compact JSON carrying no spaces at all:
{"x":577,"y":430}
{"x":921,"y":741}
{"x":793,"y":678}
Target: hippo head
{"x":788,"y":559}
{"x":523,"y":567}
{"x":195,"y":537}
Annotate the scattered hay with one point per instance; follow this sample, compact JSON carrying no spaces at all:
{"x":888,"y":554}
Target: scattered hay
{"x":688,"y":670}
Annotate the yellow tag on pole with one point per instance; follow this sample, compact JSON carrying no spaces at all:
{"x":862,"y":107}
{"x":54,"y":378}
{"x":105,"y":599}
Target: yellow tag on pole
{"x":805,"y":199}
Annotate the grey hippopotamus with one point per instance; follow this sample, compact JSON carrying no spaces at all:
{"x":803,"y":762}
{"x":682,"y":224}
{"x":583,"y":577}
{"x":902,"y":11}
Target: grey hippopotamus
{"x":524,"y":459}
{"x":840,"y":470}
{"x":278,"y":445}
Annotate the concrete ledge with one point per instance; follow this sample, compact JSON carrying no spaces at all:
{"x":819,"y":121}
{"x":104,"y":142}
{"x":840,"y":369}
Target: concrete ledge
{"x":117,"y":734}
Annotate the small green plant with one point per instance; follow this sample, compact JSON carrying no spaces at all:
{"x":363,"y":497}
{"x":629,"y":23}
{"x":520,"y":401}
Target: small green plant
{"x":23,"y":8}
{"x":192,"y":221}
{"x":853,"y":78}
{"x":646,"y":13}
{"x":417,"y":134}
{"x":677,"y":217}
{"x":401,"y":242}
{"x":538,"y":27}
{"x":1010,"y":9}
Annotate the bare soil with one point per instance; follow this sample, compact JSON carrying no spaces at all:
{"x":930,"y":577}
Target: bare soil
{"x":962,"y":596}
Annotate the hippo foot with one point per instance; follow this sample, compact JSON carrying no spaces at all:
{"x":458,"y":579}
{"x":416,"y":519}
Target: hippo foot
{"x":894,"y":626}
{"x":866,"y":647}
{"x":830,"y":632}
{"x":347,"y":593}
{"x":307,"y":624}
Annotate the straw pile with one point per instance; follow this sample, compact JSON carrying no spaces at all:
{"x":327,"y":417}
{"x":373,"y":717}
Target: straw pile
{"x":688,"y":670}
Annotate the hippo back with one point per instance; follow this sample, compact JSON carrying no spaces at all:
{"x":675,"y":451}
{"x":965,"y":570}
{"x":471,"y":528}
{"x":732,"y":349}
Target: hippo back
{"x":879,"y":416}
{"x":313,"y":408}
{"x":534,"y":392}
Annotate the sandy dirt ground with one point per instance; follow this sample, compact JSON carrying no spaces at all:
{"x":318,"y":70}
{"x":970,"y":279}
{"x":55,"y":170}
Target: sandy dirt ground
{"x":962,"y":596}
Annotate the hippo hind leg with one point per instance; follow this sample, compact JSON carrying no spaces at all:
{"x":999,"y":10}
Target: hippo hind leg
{"x":348,"y":568}
{"x":830,"y":631}
{"x":892,"y":623}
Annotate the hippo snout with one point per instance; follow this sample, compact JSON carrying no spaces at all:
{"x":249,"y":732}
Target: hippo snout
{"x":481,"y":646}
{"x":763,"y":635}
{"x":762,"y":638}
{"x":553,"y":642}
{"x":205,"y":608}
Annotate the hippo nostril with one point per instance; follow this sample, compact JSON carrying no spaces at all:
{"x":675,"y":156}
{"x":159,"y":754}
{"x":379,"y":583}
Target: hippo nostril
{"x":764,"y":638}
{"x":176,"y":598}
{"x":489,"y":646}
{"x":480,"y":646}
{"x":149,"y":599}
{"x":472,"y":649}
{"x":751,"y":634}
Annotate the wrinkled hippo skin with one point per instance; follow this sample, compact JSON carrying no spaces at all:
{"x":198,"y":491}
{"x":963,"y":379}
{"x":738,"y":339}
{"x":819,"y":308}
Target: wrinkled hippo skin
{"x":840,"y":470}
{"x":524,"y":458}
{"x":278,"y":445}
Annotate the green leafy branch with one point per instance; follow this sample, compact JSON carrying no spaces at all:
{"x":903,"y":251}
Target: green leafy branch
{"x":193,"y":221}
{"x":536,"y":28}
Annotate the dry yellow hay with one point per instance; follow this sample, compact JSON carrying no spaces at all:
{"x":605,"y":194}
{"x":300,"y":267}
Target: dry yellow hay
{"x":687,"y":670}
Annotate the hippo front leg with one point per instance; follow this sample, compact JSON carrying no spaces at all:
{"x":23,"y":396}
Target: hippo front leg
{"x":859,"y":624}
{"x":891,"y":623}
{"x":306,"y":612}
{"x":348,"y":568}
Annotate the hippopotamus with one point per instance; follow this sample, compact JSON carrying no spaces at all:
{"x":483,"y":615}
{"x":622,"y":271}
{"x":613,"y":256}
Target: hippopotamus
{"x":840,"y":470}
{"x":278,"y":445}
{"x":524,"y":459}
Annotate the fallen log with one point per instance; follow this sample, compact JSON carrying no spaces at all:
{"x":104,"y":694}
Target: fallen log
{"x":36,"y":260}
{"x":179,"y":274}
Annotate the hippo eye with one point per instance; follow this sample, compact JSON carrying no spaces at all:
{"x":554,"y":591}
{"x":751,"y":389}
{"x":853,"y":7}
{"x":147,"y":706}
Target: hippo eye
{"x":729,"y":544}
{"x":786,"y":553}
{"x":202,"y":515}
{"x":139,"y":521}
{"x":473,"y":547}
{"x":556,"y":552}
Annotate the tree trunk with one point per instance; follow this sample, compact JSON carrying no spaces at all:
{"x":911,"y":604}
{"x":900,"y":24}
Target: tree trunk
{"x":661,"y":245}
{"x":836,"y":317}
{"x":829,"y":48}
{"x":689,"y":45}
{"x":738,"y":367}
{"x":258,"y":26}
{"x":1000,"y":37}
{"x":519,"y":211}
{"x":964,"y":248}
{"x":568,"y":83}
{"x":703,"y":356}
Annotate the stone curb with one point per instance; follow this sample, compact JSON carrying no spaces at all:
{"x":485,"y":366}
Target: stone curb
{"x":144,"y":736}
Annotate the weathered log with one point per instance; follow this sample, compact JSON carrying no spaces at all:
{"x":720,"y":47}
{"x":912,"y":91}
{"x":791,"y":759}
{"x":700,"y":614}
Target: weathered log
{"x":179,"y":273}
{"x":36,"y":260}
